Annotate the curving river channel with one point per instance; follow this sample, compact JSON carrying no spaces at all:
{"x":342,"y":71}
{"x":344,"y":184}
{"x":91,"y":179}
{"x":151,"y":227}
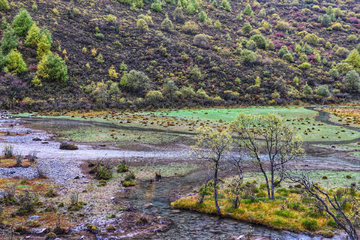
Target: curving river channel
{"x":186,"y":224}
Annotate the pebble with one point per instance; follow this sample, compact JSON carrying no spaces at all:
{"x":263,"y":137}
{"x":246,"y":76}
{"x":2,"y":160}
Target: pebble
{"x":60,"y":171}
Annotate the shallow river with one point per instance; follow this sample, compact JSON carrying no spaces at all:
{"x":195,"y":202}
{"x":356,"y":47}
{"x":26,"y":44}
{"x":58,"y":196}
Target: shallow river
{"x":187,"y":225}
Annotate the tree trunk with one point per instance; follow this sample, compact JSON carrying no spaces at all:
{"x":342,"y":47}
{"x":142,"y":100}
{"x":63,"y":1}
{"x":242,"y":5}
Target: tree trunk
{"x":215,"y":190}
{"x":272,"y":184}
{"x":203,"y":195}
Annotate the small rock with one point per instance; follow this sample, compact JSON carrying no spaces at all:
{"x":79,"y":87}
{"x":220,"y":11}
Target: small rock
{"x":33,"y":217}
{"x":38,"y":230}
{"x":68,"y":146}
{"x":148,"y":205}
{"x":241,"y":237}
{"x":77,"y":177}
{"x":36,"y":139}
{"x":191,"y":194}
{"x":45,"y":143}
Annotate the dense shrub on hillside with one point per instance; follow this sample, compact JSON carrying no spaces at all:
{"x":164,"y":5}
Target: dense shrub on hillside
{"x":323,"y":91}
{"x":153,"y":96}
{"x":307,"y":90}
{"x":311,"y":39}
{"x":226,"y":5}
{"x":288,"y":57}
{"x":52,"y":68}
{"x":248,"y":11}
{"x":142,"y":25}
{"x":247,"y":28}
{"x":342,"y":52}
{"x":190,"y":27}
{"x":178,"y":14}
{"x":167,"y":25}
{"x":326,"y":20}
{"x":282,"y":26}
{"x":337,"y":26}
{"x":259,"y":40}
{"x":283,"y":50}
{"x":137,"y":81}
{"x":147,"y":18}
{"x":4,"y":5}
{"x":262,"y":13}
{"x":248,"y":57}
{"x":217,"y":24}
{"x":156,"y":6}
{"x":170,"y":88}
{"x":334,"y":73}
{"x":251,"y":45}
{"x":187,"y":92}
{"x":305,"y":66}
{"x":344,"y":67}
{"x":352,"y":81}
{"x":352,"y":38}
{"x":201,"y":40}
{"x":353,"y":58}
{"x":195,"y":73}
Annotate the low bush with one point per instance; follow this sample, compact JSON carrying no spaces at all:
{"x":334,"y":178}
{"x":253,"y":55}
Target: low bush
{"x":122,"y":168}
{"x":311,"y":225}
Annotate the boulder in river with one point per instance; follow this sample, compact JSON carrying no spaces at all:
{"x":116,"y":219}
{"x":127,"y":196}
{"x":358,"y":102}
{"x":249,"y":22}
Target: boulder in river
{"x":68,"y":146}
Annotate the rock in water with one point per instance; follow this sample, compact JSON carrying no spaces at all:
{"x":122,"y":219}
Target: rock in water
{"x":68,"y":146}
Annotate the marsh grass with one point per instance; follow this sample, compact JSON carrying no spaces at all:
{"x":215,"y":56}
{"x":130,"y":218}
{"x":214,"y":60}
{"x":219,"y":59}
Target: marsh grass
{"x":188,"y":120}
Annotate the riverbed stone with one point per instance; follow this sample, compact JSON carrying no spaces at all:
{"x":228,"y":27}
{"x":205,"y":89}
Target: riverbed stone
{"x":68,"y":146}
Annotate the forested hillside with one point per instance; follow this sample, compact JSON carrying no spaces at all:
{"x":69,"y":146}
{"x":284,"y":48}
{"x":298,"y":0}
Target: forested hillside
{"x":138,"y":54}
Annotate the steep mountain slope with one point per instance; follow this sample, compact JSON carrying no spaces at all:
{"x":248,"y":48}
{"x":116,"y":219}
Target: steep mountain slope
{"x":219,"y":58}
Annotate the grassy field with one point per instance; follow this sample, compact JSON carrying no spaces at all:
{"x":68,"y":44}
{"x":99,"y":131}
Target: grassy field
{"x":188,"y":120}
{"x":168,"y":170}
{"x":102,"y":134}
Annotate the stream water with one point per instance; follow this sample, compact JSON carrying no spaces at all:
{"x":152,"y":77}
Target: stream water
{"x":187,"y":224}
{"x":192,"y":225}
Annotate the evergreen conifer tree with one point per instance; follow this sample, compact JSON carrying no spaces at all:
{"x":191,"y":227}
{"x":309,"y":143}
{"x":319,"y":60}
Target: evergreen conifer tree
{"x":8,"y":41}
{"x":22,"y":23}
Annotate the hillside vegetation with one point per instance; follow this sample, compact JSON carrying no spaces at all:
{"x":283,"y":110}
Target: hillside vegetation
{"x":89,"y":54}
